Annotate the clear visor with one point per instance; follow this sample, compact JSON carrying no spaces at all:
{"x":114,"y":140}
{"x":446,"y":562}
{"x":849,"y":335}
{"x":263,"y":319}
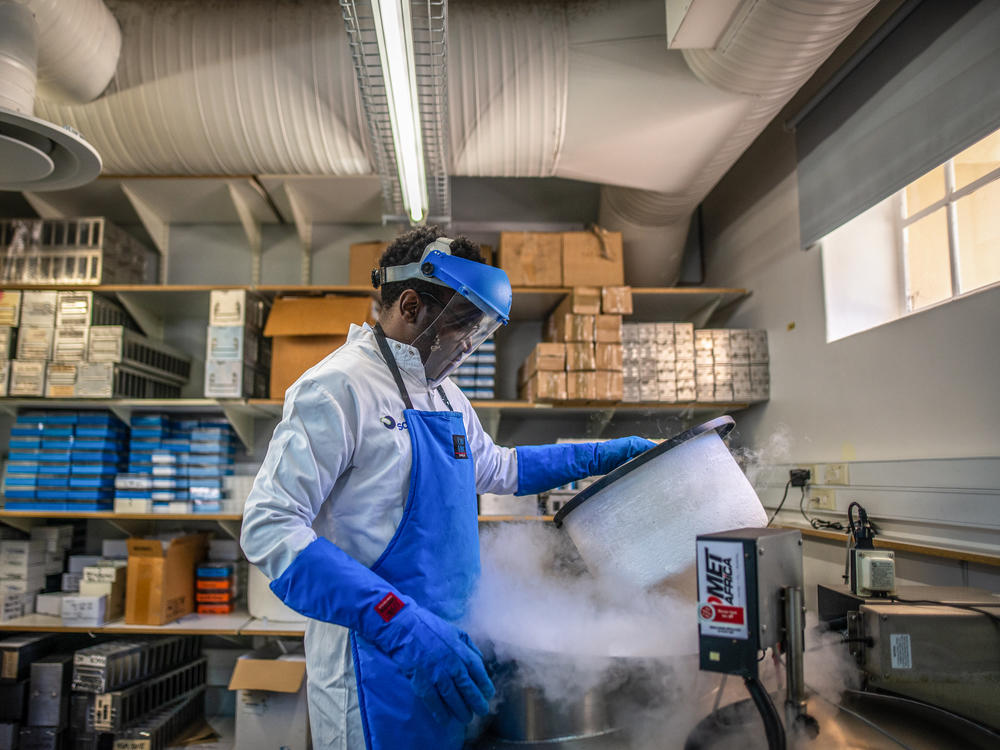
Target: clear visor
{"x":452,"y":336}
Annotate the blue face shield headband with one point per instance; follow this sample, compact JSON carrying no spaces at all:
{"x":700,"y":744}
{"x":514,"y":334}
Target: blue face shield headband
{"x":480,"y":305}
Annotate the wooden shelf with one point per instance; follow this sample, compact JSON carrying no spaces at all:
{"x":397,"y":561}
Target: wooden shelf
{"x":231,"y":624}
{"x":702,"y":305}
{"x":112,"y":516}
{"x":840,"y":537}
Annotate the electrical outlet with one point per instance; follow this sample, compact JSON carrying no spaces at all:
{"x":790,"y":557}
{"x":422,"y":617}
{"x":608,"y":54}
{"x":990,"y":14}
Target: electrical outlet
{"x":822,"y":499}
{"x":835,"y":474}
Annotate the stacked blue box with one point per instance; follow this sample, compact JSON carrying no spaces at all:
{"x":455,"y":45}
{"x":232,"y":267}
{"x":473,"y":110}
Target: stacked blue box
{"x":176,"y":465}
{"x":213,"y":448}
{"x":64,"y":460}
{"x":476,"y":376}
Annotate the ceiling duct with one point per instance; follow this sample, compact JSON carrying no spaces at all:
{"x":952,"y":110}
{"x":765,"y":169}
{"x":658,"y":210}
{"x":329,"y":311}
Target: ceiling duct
{"x":61,"y":49}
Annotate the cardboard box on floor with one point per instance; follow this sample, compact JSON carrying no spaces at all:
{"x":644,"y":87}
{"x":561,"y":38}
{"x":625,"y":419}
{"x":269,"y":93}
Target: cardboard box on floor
{"x":364,"y":257}
{"x":271,"y":707}
{"x":306,"y":329}
{"x":159,"y":585}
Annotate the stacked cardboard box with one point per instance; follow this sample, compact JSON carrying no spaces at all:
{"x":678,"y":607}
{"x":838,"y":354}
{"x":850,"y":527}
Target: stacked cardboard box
{"x":566,"y":259}
{"x":477,"y":375}
{"x":101,"y":595}
{"x":22,"y":576}
{"x":161,"y":577}
{"x":176,"y":466}
{"x":216,"y":588}
{"x":674,"y":363}
{"x":237,"y":355}
{"x":64,"y":460}
{"x":581,"y":357}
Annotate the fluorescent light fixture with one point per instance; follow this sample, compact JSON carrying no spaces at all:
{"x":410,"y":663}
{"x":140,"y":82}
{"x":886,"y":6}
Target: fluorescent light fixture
{"x":395,"y":49}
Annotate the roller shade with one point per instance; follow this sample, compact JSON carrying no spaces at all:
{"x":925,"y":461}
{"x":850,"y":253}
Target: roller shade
{"x":928,"y":91}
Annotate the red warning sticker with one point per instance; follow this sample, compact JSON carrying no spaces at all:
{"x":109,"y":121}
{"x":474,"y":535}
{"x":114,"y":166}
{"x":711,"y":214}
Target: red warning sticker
{"x":389,"y":606}
{"x":722,"y":589}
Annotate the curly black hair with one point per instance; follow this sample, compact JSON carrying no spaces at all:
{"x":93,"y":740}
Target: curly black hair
{"x":408,"y":248}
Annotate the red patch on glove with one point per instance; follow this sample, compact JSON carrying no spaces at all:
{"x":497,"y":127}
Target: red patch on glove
{"x":389,"y":606}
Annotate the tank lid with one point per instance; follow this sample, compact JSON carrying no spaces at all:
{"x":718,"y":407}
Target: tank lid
{"x":723,"y":425}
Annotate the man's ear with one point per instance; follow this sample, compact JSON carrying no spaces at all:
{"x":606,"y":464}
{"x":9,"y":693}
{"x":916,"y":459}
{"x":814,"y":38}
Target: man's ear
{"x":409,"y":306}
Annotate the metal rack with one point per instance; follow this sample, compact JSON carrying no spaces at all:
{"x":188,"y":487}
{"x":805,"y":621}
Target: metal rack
{"x":115,"y":710}
{"x":430,"y":35}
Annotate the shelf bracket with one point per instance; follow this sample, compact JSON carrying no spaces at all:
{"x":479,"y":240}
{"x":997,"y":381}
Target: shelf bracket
{"x":304,"y":228}
{"x":241,"y":419}
{"x":8,"y":408}
{"x":128,"y":526}
{"x":155,"y":224}
{"x":703,"y":315}
{"x":251,"y":226}
{"x":232,"y":528}
{"x":124,"y":413}
{"x":43,"y":206}
{"x":598,"y":421}
{"x":150,"y":323}
{"x":19,"y":523}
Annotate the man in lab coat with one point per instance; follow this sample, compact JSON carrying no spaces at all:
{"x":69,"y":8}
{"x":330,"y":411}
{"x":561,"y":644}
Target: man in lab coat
{"x":364,"y":511}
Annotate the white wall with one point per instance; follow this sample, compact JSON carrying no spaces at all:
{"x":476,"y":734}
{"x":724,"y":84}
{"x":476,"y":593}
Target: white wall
{"x":922,"y":387}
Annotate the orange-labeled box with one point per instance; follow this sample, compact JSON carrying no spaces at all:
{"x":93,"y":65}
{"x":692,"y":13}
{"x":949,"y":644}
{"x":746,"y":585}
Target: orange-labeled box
{"x":364,"y":258}
{"x":160,"y":579}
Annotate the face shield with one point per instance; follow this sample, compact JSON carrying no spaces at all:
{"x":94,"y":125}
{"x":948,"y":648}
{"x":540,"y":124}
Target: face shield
{"x":452,"y":336}
{"x":480,"y":305}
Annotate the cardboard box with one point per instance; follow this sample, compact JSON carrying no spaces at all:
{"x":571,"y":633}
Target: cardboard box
{"x":236,"y":307}
{"x":609,"y":386}
{"x":569,"y":327}
{"x":10,"y":308}
{"x":545,"y":356}
{"x":608,"y":329}
{"x":35,"y":342}
{"x":608,"y":356}
{"x":306,"y":329}
{"x":60,"y":380}
{"x":83,"y":611}
{"x":364,"y":257}
{"x":581,"y":386}
{"x":545,"y":386}
{"x":580,"y":356}
{"x":592,"y":258}
{"x":160,"y":578}
{"x":27,"y":377}
{"x":271,"y":707}
{"x":38,"y":308}
{"x":533,"y":258}
{"x":581,"y":300}
{"x":616,"y":300}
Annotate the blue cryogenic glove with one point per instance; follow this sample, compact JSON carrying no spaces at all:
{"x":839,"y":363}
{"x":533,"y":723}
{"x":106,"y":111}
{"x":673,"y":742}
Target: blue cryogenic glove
{"x":542,"y":467}
{"x":443,"y":666}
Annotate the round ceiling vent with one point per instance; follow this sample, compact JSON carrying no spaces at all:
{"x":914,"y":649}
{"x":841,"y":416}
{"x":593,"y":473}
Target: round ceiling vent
{"x":38,"y":155}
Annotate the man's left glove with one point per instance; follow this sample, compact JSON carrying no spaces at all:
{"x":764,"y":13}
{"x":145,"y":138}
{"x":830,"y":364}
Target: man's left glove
{"x":543,"y":467}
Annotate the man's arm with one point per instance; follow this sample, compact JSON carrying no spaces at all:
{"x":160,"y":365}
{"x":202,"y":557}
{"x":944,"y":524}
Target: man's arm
{"x":311,"y":446}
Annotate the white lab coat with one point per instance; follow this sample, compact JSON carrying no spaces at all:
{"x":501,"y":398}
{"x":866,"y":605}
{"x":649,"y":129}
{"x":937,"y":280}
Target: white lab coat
{"x":338,"y":466}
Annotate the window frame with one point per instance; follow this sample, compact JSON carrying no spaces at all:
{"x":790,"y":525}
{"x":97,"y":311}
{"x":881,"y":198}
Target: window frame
{"x":950,"y":203}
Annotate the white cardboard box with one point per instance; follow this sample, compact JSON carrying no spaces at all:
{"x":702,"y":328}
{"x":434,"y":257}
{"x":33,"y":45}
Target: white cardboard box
{"x":50,"y":603}
{"x":271,"y":708}
{"x":83,"y":611}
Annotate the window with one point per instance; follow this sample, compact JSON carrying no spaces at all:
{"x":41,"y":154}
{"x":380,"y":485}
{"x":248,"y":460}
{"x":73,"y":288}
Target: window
{"x":951,"y":237}
{"x":934,"y":240}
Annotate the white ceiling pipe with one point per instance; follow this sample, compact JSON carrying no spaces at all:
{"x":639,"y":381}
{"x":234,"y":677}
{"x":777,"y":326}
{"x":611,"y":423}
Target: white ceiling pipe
{"x":18,"y":58}
{"x":78,"y":46}
{"x":252,"y":87}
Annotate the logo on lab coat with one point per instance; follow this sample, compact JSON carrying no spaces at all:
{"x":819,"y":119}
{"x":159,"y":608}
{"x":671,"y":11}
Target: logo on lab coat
{"x":390,"y":423}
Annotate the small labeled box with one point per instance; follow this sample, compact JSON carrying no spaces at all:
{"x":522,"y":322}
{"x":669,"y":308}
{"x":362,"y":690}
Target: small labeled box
{"x":27,"y":377}
{"x":684,"y":333}
{"x":609,"y":356}
{"x":70,"y":343}
{"x":10,"y":308}
{"x":667,"y":391}
{"x":580,"y":356}
{"x":38,"y":308}
{"x":35,"y":342}
{"x":581,"y":386}
{"x":236,"y":307}
{"x":60,"y":380}
{"x":608,"y":329}
{"x":758,"y":347}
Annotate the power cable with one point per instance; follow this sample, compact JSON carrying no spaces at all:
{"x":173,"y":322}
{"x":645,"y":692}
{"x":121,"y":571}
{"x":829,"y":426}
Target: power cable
{"x":783,"y":498}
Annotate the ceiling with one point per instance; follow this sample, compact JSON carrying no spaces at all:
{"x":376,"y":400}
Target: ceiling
{"x":248,"y":112}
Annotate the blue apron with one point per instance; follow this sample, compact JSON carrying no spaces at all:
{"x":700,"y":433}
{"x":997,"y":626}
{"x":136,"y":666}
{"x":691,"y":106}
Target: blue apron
{"x":433,"y":557}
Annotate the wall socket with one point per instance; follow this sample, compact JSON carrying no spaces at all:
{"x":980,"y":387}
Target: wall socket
{"x":835,"y":474}
{"x":822,"y":499}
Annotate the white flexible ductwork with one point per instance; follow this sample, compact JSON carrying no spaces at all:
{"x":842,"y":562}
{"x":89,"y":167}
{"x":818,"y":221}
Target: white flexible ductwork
{"x":78,"y":46}
{"x":66,"y":49}
{"x":227,"y":88}
{"x":771,"y":48}
{"x":507,"y":81}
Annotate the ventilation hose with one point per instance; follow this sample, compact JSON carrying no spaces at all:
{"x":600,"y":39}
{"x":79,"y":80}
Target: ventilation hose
{"x":772,"y":722}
